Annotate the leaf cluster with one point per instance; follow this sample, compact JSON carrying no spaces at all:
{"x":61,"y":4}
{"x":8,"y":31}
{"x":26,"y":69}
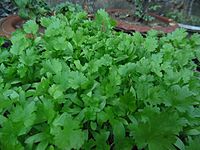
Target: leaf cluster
{"x":82,"y":85}
{"x":29,"y":9}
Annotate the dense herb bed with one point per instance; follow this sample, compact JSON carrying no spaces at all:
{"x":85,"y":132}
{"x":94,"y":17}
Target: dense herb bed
{"x":83,"y":85}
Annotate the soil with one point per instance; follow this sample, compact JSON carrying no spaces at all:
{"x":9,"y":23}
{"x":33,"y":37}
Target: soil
{"x":129,"y":17}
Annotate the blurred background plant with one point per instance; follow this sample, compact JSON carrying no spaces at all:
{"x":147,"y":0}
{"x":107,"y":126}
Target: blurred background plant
{"x":32,"y":8}
{"x":143,"y":8}
{"x":7,"y":8}
{"x":182,"y":11}
{"x":67,"y":7}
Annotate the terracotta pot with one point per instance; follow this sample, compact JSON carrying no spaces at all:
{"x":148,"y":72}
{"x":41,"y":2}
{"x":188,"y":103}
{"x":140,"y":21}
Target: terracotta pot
{"x":170,"y":25}
{"x":9,"y":25}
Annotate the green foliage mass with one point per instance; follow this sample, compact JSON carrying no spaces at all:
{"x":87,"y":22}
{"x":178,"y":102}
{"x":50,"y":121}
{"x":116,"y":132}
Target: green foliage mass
{"x":29,"y":9}
{"x":82,"y":85}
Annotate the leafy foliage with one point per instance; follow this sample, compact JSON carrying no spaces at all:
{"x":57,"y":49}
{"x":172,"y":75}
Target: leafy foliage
{"x":81,"y":85}
{"x":30,"y":9}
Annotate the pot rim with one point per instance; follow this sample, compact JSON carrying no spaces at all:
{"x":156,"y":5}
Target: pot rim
{"x":8,"y":25}
{"x":172,"y":25}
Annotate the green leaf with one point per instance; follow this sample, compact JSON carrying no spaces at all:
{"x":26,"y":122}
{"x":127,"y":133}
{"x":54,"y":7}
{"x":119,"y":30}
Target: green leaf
{"x":93,"y":125}
{"x":179,"y":97}
{"x":100,"y":140}
{"x":193,"y":131}
{"x":102,"y":19}
{"x":118,"y":132}
{"x":2,"y":119}
{"x":77,"y":79}
{"x":128,"y":102}
{"x":193,"y":144}
{"x":31,"y":27}
{"x":56,"y":91}
{"x":42,"y":145}
{"x":19,"y":43}
{"x":46,"y":111}
{"x":21,"y":3}
{"x":180,"y":144}
{"x":29,"y":57}
{"x":186,"y":75}
{"x":1,"y":41}
{"x":150,"y":44}
{"x":69,"y":32}
{"x":25,"y":115}
{"x":60,"y":43}
{"x":70,"y":136}
{"x":172,"y":77}
{"x":36,"y":138}
{"x":52,"y":66}
{"x":158,"y":132}
{"x":127,"y":69}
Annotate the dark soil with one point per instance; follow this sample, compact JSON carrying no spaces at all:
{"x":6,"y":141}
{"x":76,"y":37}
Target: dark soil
{"x":7,"y":44}
{"x":197,"y":62}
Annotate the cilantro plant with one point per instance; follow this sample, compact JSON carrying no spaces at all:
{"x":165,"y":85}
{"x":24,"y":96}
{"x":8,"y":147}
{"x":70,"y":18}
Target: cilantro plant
{"x":29,"y":9}
{"x":82,"y":85}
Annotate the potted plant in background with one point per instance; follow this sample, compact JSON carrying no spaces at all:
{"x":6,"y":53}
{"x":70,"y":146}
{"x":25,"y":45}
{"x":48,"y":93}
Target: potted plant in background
{"x":142,"y":17}
{"x":27,"y":9}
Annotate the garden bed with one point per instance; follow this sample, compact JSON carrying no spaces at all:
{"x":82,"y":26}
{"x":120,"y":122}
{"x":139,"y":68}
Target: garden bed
{"x":82,"y":85}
